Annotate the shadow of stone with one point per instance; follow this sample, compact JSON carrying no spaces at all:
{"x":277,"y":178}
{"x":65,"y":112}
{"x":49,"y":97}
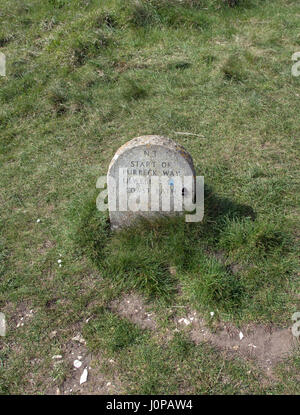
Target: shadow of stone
{"x":216,"y":207}
{"x":216,"y":210}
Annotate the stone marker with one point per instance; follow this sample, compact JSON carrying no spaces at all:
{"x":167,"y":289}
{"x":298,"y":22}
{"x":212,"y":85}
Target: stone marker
{"x":149,"y":176}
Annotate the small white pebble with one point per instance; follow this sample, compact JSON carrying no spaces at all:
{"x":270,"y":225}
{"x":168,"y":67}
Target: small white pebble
{"x":77,"y":364}
{"x":59,"y":261}
{"x":241,"y":335}
{"x":185,"y":321}
{"x":57,"y":356}
{"x":38,"y":220}
{"x":79,"y":357}
{"x":212,"y":313}
{"x":59,"y":265}
{"x":108,"y":384}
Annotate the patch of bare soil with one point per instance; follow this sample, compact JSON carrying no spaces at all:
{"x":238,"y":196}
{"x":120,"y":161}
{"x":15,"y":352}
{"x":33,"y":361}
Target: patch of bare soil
{"x":96,"y":384}
{"x":133,"y":307}
{"x":265,"y":345}
{"x":76,"y":358}
{"x":17,"y":315}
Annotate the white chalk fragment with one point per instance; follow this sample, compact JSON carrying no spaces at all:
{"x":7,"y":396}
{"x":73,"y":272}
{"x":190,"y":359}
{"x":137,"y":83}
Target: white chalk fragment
{"x":185,"y":321}
{"x":79,"y":338}
{"x":241,"y":335}
{"x":252,"y":345}
{"x":83,"y":377}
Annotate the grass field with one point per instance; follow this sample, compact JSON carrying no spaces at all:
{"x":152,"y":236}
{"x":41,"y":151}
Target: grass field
{"x":82,"y":78}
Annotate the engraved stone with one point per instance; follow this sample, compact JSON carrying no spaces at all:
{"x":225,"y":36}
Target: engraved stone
{"x":149,"y":176}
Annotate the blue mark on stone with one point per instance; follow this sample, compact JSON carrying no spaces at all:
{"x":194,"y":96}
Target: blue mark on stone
{"x":171,"y":182}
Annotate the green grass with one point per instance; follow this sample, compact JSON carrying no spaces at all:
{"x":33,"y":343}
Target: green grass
{"x":84,"y":78}
{"x":111,"y":333}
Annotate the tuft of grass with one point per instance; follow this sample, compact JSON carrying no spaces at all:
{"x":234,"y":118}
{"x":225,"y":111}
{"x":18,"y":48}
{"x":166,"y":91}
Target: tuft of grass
{"x":142,"y":13}
{"x":211,"y":286}
{"x":233,"y":69}
{"x":106,"y":19}
{"x":58,"y":96}
{"x":134,"y":90}
{"x":258,"y":239}
{"x":109,"y":332}
{"x":86,"y":49}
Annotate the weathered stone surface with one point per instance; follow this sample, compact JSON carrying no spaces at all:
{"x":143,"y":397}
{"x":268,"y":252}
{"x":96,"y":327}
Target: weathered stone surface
{"x":133,"y":191}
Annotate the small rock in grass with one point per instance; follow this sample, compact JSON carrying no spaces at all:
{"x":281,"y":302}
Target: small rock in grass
{"x":172,"y":270}
{"x":77,"y":363}
{"x":79,"y":338}
{"x":185,"y":321}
